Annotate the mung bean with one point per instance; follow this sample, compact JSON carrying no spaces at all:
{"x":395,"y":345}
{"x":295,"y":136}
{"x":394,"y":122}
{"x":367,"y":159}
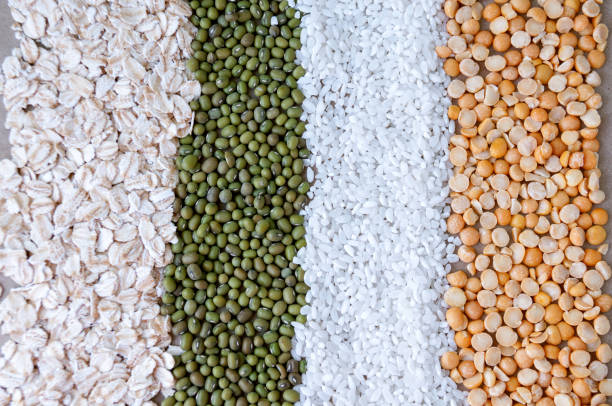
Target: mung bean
{"x":233,"y":291}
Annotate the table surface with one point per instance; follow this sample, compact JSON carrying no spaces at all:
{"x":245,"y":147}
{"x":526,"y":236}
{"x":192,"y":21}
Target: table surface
{"x":8,"y":42}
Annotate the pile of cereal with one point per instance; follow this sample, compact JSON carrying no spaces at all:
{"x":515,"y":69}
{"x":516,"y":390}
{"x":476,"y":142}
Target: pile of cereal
{"x":86,"y":199}
{"x":527,"y":306}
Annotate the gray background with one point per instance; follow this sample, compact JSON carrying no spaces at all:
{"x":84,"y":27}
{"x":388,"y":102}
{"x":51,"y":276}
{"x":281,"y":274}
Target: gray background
{"x":8,"y":42}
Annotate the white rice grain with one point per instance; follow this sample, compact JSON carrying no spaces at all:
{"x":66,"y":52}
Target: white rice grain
{"x":377,"y":251}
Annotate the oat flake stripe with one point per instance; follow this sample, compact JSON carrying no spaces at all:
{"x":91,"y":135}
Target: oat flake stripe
{"x":96,"y":97}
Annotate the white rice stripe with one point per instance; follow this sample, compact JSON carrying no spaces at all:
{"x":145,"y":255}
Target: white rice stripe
{"x":377,"y":251}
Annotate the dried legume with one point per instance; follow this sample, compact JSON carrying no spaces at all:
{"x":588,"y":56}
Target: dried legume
{"x":527,"y":132}
{"x":233,"y":291}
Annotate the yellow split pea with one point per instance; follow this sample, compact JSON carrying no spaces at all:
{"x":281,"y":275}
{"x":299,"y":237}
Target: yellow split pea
{"x":527,"y":308}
